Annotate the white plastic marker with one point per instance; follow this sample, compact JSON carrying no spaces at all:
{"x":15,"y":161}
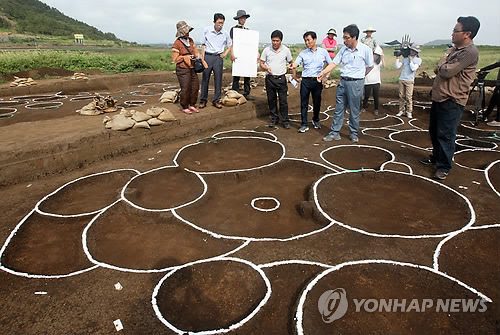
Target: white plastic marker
{"x":118,"y":286}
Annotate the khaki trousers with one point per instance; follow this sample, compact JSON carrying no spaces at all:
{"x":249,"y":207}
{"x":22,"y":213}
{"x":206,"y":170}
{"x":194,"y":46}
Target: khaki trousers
{"x":406,"y":96}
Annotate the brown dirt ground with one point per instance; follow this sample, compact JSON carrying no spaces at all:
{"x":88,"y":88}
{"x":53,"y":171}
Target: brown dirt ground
{"x":214,"y":295}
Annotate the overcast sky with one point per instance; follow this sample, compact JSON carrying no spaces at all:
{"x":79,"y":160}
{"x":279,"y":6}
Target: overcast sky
{"x":153,"y":21}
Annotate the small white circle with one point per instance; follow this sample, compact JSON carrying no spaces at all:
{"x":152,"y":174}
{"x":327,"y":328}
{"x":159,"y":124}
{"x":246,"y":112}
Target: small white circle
{"x":265,"y":209}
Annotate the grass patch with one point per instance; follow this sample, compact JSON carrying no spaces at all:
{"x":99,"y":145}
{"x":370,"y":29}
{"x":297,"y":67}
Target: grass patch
{"x":120,"y":60}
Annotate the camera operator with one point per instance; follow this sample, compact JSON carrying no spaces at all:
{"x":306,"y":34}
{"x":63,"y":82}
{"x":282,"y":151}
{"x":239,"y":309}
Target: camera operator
{"x":495,"y":98}
{"x":411,"y":62}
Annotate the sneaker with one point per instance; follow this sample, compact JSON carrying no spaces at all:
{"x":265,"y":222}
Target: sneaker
{"x":272,"y":124}
{"x":286,"y":125}
{"x":409,"y":115}
{"x":303,"y":129}
{"x":441,"y":175}
{"x":375,"y":112}
{"x":331,"y":137}
{"x":354,"y":138}
{"x":316,"y":125}
{"x":427,"y":161}
{"x":400,"y":113}
{"x":494,"y":124}
{"x":362,"y":110}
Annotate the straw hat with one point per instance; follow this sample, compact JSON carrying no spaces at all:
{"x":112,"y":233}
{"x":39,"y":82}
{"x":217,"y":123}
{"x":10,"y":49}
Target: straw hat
{"x":183,"y":28}
{"x":415,"y":47}
{"x":241,"y":13}
{"x":370,"y":28}
{"x":332,"y":31}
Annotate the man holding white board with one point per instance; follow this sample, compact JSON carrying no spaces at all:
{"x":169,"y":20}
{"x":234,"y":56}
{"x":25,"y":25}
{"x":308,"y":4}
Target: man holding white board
{"x":245,"y":48}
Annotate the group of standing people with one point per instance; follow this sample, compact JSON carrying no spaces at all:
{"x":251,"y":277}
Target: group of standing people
{"x":361,"y":60}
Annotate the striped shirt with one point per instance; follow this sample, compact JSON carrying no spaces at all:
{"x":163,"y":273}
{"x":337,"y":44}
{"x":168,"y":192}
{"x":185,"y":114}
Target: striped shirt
{"x":455,"y":75}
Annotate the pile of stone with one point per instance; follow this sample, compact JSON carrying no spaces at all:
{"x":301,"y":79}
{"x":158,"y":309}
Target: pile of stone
{"x":233,"y":98}
{"x":79,"y":76}
{"x":22,"y":82}
{"x":99,"y":105}
{"x":330,"y":83}
{"x":170,"y":96}
{"x":261,"y":74}
{"x":426,"y":75}
{"x":129,"y":119}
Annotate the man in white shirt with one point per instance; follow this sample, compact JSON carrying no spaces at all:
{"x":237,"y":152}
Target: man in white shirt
{"x":273,"y":60}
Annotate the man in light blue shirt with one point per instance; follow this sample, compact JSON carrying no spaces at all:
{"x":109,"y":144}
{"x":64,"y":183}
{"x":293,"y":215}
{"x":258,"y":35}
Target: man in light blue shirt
{"x":213,"y":42}
{"x":312,"y":60}
{"x":406,"y":79}
{"x":357,"y":61}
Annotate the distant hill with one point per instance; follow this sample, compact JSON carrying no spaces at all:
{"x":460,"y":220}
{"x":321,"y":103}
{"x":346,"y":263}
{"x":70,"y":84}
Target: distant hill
{"x":35,"y":17}
{"x":438,"y":42}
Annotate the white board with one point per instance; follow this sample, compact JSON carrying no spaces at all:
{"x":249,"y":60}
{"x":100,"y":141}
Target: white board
{"x":245,"y":49}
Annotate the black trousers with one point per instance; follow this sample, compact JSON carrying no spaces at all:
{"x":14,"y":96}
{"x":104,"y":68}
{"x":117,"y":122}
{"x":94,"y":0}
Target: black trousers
{"x":443,"y":123}
{"x":313,"y":87}
{"x":276,"y":89}
{"x":215,"y":64}
{"x":376,"y":94}
{"x":246,"y":85}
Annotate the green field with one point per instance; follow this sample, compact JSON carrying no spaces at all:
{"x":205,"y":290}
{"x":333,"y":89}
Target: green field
{"x":122,"y":60}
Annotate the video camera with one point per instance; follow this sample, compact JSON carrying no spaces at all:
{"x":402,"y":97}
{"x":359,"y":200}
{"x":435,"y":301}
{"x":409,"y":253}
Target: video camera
{"x":404,"y":48}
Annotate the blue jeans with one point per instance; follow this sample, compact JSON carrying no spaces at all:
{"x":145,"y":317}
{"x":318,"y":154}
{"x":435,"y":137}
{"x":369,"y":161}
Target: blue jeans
{"x":348,"y":93}
{"x":313,"y":87}
{"x":444,"y":119}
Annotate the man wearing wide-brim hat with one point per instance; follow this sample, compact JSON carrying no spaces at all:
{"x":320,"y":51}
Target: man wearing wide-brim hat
{"x":241,"y":17}
{"x":368,"y":39}
{"x":330,"y":43}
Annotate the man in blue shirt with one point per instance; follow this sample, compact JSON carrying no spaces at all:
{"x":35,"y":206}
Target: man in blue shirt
{"x":312,"y":60}
{"x":357,"y":61}
{"x":213,"y":42}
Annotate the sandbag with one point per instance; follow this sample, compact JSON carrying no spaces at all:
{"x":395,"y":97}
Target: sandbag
{"x":154,"y":111}
{"x":127,"y":113}
{"x":90,"y":109}
{"x":155,"y":122}
{"x":166,"y":115}
{"x":143,"y":124}
{"x":231,"y":94}
{"x":110,"y":110}
{"x":169,"y":96}
{"x":120,"y":122}
{"x":141,"y":116}
{"x":99,"y":105}
{"x":229,"y":102}
{"x":242,"y":100}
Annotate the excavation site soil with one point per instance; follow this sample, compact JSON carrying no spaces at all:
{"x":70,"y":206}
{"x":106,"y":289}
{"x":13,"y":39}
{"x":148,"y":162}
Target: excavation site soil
{"x":216,"y":223}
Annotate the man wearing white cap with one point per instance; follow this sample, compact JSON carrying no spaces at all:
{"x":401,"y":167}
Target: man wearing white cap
{"x":372,"y":80}
{"x":368,"y":39}
{"x":410,"y":65}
